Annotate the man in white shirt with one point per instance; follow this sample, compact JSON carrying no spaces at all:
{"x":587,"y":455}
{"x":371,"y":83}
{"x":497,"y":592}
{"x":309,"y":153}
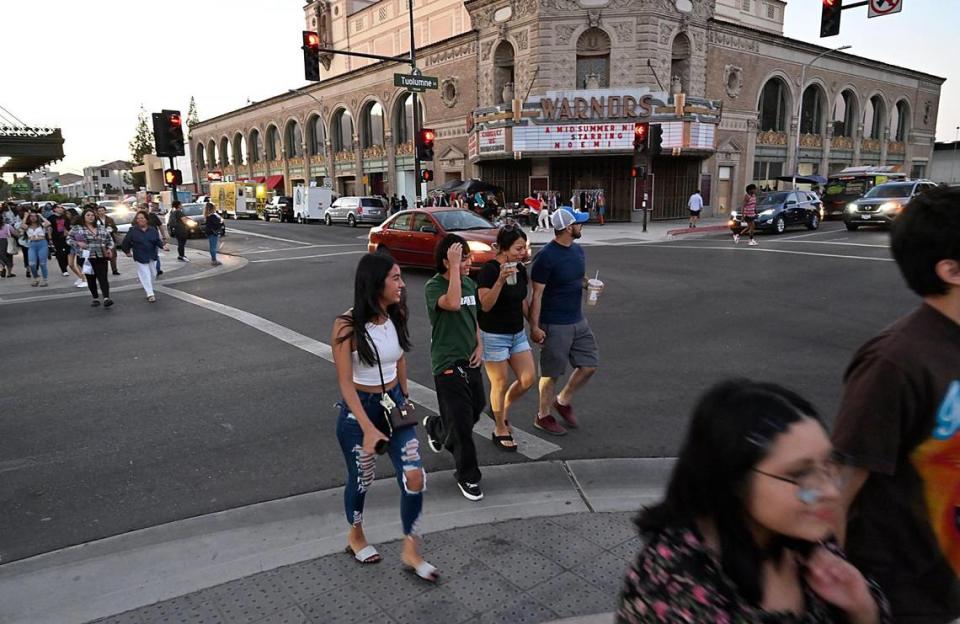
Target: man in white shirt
{"x":695,"y":203}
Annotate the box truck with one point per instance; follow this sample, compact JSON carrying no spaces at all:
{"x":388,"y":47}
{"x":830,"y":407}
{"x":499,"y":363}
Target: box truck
{"x":235,"y":199}
{"x":310,"y":203}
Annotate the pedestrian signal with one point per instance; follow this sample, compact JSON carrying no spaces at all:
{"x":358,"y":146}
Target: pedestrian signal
{"x":425,"y":139}
{"x":172,"y":177}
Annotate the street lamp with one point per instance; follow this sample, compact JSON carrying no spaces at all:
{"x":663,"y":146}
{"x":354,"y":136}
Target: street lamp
{"x":803,"y":76}
{"x":309,"y":95}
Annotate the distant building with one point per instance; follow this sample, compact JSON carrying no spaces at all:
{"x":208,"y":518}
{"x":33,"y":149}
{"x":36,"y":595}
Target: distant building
{"x":945,"y":164}
{"x":112,"y":178}
{"x":44,"y":181}
{"x":71,"y":185}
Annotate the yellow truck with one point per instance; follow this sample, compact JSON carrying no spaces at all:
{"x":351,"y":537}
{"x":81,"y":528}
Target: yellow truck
{"x":235,"y":199}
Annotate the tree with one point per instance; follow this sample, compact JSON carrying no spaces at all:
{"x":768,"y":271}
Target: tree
{"x":192,"y":117}
{"x":142,"y":142}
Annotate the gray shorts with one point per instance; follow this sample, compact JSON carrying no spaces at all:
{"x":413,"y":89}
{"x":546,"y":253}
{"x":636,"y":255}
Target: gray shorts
{"x":568,"y":343}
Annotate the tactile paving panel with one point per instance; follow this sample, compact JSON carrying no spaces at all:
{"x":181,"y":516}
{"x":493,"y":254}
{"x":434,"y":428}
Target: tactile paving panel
{"x":521,"y":610}
{"x":247,"y":600}
{"x":569,"y":595}
{"x":604,"y":529}
{"x":189,"y":609}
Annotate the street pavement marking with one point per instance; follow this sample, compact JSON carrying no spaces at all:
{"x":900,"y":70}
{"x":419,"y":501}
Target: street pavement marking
{"x":817,"y":233}
{"x":787,"y":240}
{"x":765,"y":249}
{"x":260,"y":251}
{"x":338,"y":253}
{"x":529,"y":445}
{"x":259,"y":235}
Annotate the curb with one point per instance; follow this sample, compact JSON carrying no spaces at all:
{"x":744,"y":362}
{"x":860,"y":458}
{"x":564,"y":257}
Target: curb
{"x":697,"y":230}
{"x":116,"y":574}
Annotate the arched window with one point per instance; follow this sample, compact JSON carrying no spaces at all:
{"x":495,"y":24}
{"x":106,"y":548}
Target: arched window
{"x":874,"y":117}
{"x":845,"y":114}
{"x":342,"y":131}
{"x":293,"y":140}
{"x":224,"y":152}
{"x":212,"y":154}
{"x":273,"y":143}
{"x":680,"y":62}
{"x":403,"y":119}
{"x":593,"y":59}
{"x":502,"y":70}
{"x":371,"y":120}
{"x":811,"y":121}
{"x":256,"y":145}
{"x":201,"y":157}
{"x":316,"y":136}
{"x":899,"y":123}
{"x":239,"y":149}
{"x":774,"y":106}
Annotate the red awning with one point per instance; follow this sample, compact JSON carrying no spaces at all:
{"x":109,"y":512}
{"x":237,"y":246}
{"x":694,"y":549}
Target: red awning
{"x":274,"y":181}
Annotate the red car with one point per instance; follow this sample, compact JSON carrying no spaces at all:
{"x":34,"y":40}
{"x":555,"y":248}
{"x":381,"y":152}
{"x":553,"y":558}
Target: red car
{"x":412,"y":236}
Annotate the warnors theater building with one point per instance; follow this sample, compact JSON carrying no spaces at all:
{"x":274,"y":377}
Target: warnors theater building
{"x":545,"y":95}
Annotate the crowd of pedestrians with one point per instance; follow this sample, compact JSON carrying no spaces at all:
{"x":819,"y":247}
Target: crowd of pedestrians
{"x":768,"y":515}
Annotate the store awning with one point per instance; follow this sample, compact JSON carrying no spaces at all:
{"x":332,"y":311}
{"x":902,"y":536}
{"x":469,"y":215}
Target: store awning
{"x":274,"y":181}
{"x":26,"y":149}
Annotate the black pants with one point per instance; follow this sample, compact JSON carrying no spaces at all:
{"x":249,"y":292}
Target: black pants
{"x":61,"y":250}
{"x":26,"y":259}
{"x":99,"y":275}
{"x":462,"y":398}
{"x":181,"y":246}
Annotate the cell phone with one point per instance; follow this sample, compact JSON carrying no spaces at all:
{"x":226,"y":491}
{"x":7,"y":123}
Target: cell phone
{"x":381,"y":446}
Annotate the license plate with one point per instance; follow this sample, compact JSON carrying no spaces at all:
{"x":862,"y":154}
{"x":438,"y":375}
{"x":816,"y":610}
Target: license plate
{"x":864,"y":216}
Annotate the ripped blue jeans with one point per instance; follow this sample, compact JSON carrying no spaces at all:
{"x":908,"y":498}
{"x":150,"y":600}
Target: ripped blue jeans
{"x":404,"y":451}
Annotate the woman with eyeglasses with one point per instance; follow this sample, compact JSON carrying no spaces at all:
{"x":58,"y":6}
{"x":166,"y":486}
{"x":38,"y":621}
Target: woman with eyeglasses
{"x":744,"y":532}
{"x":502,"y":287}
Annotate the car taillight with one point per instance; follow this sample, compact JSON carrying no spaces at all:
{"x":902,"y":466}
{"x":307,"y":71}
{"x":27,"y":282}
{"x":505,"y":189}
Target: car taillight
{"x":359,"y":209}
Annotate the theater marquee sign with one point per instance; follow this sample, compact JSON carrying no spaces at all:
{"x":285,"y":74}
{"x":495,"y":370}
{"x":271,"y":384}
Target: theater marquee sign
{"x":573,"y":137}
{"x":596,"y":107}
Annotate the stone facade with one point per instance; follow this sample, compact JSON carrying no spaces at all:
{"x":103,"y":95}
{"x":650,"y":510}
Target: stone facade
{"x":496,"y":51}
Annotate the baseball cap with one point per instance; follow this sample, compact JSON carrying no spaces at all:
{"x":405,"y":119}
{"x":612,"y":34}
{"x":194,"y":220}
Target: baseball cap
{"x":564,"y":217}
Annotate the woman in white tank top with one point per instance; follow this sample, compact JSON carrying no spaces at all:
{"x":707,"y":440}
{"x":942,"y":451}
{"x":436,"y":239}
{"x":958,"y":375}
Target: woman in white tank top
{"x":369,"y":342}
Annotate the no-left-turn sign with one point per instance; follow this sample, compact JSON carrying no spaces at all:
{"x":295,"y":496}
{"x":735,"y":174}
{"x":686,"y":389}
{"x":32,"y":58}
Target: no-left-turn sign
{"x":884,"y":7}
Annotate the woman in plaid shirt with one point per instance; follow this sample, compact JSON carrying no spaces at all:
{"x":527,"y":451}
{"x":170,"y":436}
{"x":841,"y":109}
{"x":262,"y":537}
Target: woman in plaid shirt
{"x":95,"y":247}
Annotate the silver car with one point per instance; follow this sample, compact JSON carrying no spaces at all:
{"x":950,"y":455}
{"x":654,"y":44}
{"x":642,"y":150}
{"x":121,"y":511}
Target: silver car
{"x":354,"y":210}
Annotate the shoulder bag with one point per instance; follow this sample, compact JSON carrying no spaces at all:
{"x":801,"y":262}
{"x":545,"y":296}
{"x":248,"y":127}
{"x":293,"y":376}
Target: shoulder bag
{"x":397,"y":415}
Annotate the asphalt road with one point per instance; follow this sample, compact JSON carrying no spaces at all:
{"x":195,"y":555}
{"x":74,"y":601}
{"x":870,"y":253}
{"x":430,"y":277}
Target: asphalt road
{"x":144,"y":414}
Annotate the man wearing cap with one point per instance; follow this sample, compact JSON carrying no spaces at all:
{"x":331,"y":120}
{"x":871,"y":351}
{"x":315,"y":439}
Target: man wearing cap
{"x":556,"y":320}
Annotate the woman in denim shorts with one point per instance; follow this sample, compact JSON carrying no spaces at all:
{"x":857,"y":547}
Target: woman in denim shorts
{"x":502,"y":287}
{"x":370,"y":341}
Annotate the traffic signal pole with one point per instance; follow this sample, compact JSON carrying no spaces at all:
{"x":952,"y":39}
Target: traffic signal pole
{"x":173,"y":187}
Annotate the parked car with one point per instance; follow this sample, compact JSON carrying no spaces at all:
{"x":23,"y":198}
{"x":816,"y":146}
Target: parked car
{"x":279,"y":208}
{"x":354,"y":210}
{"x":782,"y":209}
{"x":881,"y":205}
{"x":195,"y":220}
{"x":853,"y":183}
{"x":412,"y":236}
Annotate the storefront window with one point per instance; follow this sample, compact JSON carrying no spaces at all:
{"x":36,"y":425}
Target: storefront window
{"x":593,"y":59}
{"x":773,"y":106}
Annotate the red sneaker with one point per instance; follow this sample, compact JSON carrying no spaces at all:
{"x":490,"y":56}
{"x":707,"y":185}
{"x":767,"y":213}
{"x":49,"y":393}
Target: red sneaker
{"x":566,"y":412}
{"x":549,"y":424}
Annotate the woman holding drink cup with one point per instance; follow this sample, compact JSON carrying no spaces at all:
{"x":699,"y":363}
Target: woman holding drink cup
{"x":502,"y":287}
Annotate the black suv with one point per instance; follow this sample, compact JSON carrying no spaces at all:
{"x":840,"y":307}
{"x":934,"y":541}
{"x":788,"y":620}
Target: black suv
{"x":279,"y":208}
{"x":881,"y":205}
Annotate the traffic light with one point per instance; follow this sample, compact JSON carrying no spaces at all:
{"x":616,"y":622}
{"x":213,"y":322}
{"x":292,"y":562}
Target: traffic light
{"x":655,"y":142}
{"x":311,"y":55}
{"x":172,"y":177}
{"x":168,"y":133}
{"x":425,"y":144}
{"x":641,"y":131}
{"x":638,"y":172}
{"x":830,"y":18}
{"x":426,"y":175}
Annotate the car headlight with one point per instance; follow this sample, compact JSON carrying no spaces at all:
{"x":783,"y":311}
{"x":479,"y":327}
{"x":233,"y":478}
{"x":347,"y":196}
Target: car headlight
{"x":191,"y":223}
{"x":766,"y":213}
{"x":893,"y":207}
{"x":478,"y":246}
{"x":851,"y":207}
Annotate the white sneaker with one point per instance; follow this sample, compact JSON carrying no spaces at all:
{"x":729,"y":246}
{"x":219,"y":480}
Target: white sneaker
{"x":753,"y":242}
{"x":66,"y":274}
{"x":736,"y":239}
{"x":80,"y":283}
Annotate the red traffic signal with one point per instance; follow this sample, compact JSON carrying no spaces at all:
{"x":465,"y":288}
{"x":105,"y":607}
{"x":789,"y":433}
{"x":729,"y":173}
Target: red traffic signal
{"x":426,"y":175}
{"x":174,"y":120}
{"x":638,"y":172}
{"x":311,"y":55}
{"x":168,"y":133}
{"x":172,"y":177}
{"x":830,"y":18}
{"x":425,"y":139}
{"x":641,"y":131}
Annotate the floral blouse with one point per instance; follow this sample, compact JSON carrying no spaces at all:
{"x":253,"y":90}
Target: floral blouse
{"x":676,"y":579}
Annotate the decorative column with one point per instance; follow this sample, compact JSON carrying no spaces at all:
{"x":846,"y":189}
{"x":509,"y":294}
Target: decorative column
{"x":884,"y":145}
{"x":793,"y":149}
{"x":391,"y":163}
{"x":746,"y":170}
{"x":857,"y":139}
{"x":358,"y":166}
{"x":825,"y":152}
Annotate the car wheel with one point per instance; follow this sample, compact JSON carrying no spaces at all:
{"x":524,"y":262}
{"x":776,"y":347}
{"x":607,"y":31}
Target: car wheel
{"x":852,"y":227}
{"x":814,"y":222}
{"x":351,"y":221}
{"x":327,"y":219}
{"x":779,"y":225}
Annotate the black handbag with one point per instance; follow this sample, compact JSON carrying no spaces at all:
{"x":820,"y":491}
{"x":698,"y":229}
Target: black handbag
{"x":397,"y":415}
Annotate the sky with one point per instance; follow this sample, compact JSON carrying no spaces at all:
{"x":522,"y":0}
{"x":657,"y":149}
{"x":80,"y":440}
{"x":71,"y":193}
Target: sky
{"x":88,"y":66}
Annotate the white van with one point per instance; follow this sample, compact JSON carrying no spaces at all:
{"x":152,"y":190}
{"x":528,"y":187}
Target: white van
{"x":310,"y":203}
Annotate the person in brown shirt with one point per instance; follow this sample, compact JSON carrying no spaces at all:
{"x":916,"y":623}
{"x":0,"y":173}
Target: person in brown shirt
{"x":898,"y":429}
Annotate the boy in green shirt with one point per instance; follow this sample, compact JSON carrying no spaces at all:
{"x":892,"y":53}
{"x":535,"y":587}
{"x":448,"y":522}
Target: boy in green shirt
{"x":455,"y":354}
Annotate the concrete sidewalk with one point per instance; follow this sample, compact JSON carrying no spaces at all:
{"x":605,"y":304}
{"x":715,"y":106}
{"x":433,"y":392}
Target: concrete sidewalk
{"x":551,"y":540}
{"x":633,"y":234}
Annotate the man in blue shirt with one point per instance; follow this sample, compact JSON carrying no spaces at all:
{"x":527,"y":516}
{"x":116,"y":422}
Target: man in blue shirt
{"x":556,"y":320}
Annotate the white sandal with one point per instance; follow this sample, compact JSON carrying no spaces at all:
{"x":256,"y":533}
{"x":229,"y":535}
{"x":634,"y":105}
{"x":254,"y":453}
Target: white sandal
{"x":368,"y":555}
{"x":425,"y":571}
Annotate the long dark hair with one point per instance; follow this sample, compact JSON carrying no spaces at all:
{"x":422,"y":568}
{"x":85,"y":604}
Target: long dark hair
{"x":508,"y":235}
{"x":733,"y":426}
{"x":372,"y":271}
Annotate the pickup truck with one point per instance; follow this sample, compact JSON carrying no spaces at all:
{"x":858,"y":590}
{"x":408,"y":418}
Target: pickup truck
{"x":279,"y":208}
